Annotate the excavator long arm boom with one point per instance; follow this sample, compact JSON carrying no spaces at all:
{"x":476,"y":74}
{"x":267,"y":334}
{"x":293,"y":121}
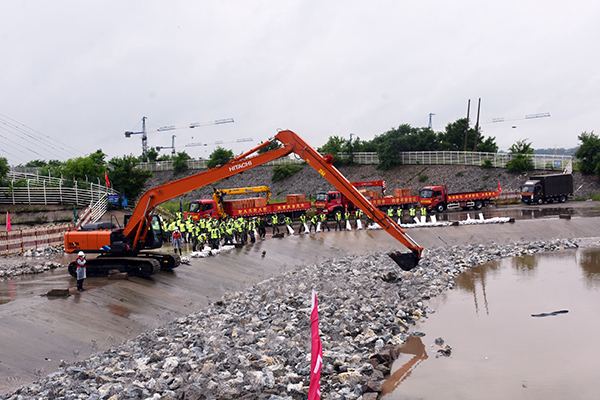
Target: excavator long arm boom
{"x":329,"y":172}
{"x":137,"y":226}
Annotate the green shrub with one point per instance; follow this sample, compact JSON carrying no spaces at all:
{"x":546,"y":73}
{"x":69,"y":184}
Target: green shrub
{"x":459,"y":173}
{"x":484,"y":178}
{"x":487,"y":163}
{"x":423,"y":178}
{"x":281,"y":172}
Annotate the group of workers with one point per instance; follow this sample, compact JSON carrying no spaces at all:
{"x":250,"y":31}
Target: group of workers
{"x":226,"y":231}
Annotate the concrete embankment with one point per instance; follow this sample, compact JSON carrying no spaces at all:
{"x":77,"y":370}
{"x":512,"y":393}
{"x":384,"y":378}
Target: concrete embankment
{"x":265,"y":321}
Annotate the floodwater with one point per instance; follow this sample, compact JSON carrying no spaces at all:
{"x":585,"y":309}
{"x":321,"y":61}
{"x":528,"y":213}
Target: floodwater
{"x":501,"y":351}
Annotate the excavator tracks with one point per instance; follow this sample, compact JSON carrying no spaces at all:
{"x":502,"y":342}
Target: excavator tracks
{"x":134,"y":266}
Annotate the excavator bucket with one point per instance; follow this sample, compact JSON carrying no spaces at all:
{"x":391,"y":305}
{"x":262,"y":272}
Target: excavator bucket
{"x":406,"y":261}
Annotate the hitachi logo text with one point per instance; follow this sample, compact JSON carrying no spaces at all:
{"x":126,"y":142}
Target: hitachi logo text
{"x":240,"y":166}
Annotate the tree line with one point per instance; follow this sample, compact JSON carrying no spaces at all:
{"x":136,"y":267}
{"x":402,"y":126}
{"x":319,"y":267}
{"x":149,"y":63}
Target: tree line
{"x":125,"y":176}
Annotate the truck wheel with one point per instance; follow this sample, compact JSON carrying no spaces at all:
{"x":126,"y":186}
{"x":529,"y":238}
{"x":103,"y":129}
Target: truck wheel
{"x":562,"y":198}
{"x":478,"y":205}
{"x":440,"y":208}
{"x":540,"y":201}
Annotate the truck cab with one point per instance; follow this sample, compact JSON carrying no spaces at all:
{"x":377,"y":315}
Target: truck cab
{"x":532,"y":192}
{"x":202,"y":208}
{"x":434,"y":198}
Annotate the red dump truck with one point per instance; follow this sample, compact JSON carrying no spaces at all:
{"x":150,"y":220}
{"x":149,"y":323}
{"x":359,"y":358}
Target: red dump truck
{"x":294,"y":206}
{"x":334,"y":201}
{"x":438,"y":199}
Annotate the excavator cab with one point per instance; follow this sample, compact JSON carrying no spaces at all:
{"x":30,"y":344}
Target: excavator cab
{"x":154,"y":238}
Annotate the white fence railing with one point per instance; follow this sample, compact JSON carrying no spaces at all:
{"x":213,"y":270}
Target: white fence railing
{"x":539,"y":161}
{"x":40,"y":189}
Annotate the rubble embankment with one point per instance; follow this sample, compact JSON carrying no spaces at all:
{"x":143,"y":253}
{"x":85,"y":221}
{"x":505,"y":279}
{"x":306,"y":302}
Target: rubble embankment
{"x":33,"y":261}
{"x":255,"y":344}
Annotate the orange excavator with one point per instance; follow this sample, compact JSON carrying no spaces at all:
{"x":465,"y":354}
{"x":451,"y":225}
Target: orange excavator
{"x":126,"y":249}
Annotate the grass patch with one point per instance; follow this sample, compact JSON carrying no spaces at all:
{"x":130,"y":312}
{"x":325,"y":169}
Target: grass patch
{"x":459,"y":173}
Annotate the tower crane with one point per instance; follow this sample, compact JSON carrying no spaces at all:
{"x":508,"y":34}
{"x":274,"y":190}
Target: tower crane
{"x":159,"y":148}
{"x":219,"y":142}
{"x":192,"y":125}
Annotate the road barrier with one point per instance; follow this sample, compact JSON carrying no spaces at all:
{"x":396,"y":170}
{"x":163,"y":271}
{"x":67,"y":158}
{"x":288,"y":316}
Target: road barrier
{"x":21,"y":240}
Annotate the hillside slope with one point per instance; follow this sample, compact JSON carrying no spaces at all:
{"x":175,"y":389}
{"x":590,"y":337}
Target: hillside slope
{"x":459,"y":178}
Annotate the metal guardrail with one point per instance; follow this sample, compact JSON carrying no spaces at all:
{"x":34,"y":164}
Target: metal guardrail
{"x":45,"y":190}
{"x":499,"y":160}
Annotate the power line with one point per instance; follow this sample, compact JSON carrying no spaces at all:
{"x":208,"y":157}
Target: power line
{"x":42,"y":142}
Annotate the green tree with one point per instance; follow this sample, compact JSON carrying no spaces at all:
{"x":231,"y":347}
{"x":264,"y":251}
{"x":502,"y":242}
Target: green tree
{"x":4,"y":168}
{"x":453,"y":138}
{"x":180,"y":162}
{"x":90,"y":167}
{"x":335,"y":145}
{"x":126,"y":178}
{"x":220,"y":156}
{"x":149,"y":156}
{"x":404,"y":138}
{"x":588,"y":154}
{"x":520,"y":160}
{"x":271,"y":146}
{"x":36,"y":163}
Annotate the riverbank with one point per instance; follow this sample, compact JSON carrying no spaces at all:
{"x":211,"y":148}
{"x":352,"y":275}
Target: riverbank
{"x":255,"y":343}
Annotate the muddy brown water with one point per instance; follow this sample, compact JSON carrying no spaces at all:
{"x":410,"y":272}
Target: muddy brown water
{"x":38,"y":332}
{"x":499,"y":350}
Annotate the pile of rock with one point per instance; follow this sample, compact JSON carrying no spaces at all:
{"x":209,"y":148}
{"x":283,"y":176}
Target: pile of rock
{"x":33,"y":261}
{"x":256,"y":343}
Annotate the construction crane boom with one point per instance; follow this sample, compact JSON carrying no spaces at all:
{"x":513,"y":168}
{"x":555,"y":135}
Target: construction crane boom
{"x":219,"y":142}
{"x":145,"y":132}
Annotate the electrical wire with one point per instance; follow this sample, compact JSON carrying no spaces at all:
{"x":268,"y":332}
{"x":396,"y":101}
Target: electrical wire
{"x":38,"y":142}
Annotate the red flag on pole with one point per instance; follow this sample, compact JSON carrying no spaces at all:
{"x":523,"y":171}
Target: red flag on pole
{"x":106,"y":179}
{"x":8,"y":228}
{"x":316,"y":352}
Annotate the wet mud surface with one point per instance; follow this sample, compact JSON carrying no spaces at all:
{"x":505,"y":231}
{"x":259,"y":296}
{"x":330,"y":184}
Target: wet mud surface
{"x":39,"y":332}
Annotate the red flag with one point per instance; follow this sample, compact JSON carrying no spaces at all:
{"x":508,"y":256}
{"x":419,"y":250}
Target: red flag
{"x":106,"y":179}
{"x":316,"y":352}
{"x":8,"y":228}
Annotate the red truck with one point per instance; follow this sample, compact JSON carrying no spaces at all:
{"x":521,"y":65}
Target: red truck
{"x":294,"y":206}
{"x":437,"y":198}
{"x":334,"y":201}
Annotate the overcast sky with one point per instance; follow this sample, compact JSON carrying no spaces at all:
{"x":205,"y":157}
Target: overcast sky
{"x":74,"y":76}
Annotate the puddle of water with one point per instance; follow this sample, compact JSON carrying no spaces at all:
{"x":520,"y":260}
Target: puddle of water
{"x":499,"y":351}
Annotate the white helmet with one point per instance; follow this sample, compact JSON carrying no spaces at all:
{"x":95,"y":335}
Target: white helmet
{"x":81,"y":254}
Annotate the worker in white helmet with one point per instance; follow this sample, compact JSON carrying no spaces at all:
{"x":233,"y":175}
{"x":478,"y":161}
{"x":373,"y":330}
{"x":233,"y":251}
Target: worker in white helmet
{"x":81,"y":270}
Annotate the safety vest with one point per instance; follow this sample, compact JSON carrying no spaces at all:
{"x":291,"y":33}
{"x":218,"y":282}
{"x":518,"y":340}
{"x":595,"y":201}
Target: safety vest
{"x":303,"y":219}
{"x":338,"y":216}
{"x":323,"y":217}
{"x":412,"y":212}
{"x":399,"y":212}
{"x":423,"y":211}
{"x":358,"y":214}
{"x":176,"y":235}
{"x":275,"y":220}
{"x":82,"y":261}
{"x":390,"y":212}
{"x":314,"y":219}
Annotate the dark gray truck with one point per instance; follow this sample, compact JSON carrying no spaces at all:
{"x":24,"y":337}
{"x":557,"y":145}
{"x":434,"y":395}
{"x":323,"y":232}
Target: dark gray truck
{"x":547,"y":189}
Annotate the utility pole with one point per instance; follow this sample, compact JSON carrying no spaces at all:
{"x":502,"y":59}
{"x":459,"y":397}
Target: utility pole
{"x":467,"y":127}
{"x":477,"y":125}
{"x":430,"y":115}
